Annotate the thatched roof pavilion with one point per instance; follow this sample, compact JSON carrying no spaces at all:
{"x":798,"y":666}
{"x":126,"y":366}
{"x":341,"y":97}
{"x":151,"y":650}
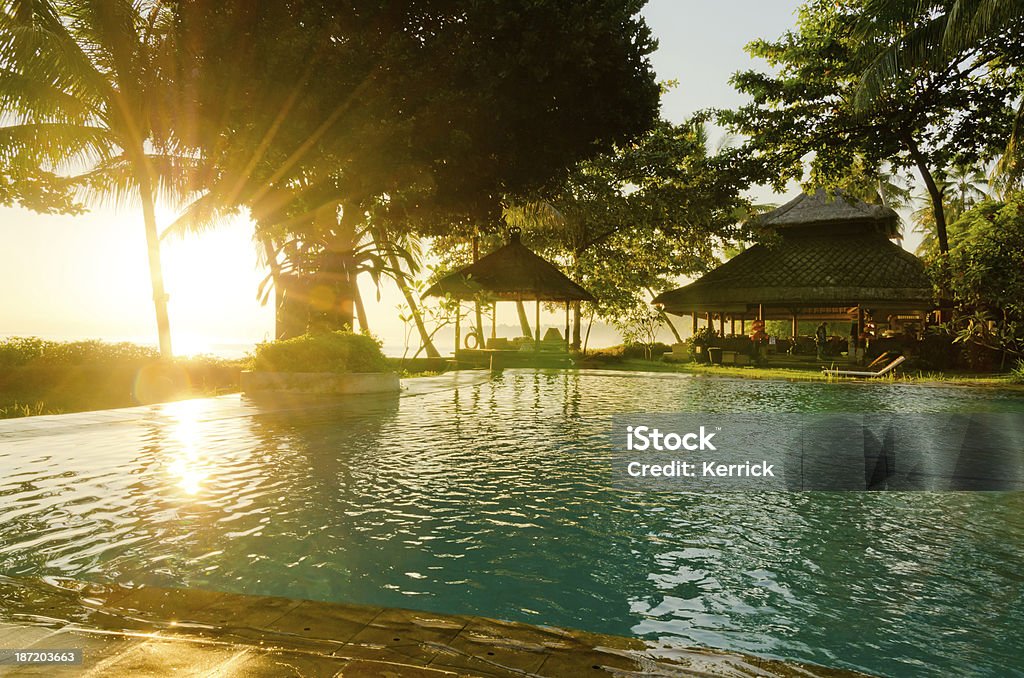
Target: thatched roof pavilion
{"x":512,"y":272}
{"x":831,"y":258}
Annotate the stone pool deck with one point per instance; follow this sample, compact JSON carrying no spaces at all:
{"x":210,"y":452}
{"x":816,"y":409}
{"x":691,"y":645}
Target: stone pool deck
{"x":157,"y":632}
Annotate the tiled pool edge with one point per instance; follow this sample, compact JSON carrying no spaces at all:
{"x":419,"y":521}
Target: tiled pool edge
{"x":154,"y":631}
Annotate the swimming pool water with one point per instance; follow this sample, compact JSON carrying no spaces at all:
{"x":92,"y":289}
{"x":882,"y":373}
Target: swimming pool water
{"x":496,"y":499}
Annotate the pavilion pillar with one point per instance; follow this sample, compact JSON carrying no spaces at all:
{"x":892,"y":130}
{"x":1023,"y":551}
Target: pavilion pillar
{"x":693,"y":323}
{"x":795,"y":326}
{"x":760,"y":312}
{"x":732,"y":325}
{"x":860,"y":332}
{"x":567,"y":304}
{"x":536,"y":323}
{"x":494,"y":320}
{"x":707,"y":320}
{"x":458,"y":325}
{"x":721,"y":324}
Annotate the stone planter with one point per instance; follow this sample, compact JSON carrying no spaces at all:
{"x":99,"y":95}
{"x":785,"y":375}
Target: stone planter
{"x":321,"y":382}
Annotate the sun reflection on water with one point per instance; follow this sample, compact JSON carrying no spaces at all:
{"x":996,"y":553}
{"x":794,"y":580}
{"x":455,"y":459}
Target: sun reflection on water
{"x":188,"y":463}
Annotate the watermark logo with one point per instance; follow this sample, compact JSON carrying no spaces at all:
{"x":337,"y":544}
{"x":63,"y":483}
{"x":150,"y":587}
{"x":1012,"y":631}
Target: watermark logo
{"x":820,"y":451}
{"x":642,"y":438}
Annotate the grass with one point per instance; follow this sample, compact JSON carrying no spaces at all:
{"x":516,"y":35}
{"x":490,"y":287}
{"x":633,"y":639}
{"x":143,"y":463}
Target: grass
{"x":16,"y":409}
{"x":796,"y":374}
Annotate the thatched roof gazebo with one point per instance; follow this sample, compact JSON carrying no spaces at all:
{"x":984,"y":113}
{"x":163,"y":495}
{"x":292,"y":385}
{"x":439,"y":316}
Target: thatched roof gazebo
{"x":832,"y":258}
{"x":512,"y":272}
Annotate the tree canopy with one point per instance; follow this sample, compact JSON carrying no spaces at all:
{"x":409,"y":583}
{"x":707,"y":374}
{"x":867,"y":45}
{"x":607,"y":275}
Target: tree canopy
{"x":432,"y":105}
{"x":924,"y":117}
{"x":418,"y":116}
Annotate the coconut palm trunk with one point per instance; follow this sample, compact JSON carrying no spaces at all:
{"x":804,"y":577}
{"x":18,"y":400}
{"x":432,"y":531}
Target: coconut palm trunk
{"x":275,"y":275}
{"x":156,"y":274}
{"x":524,"y":319}
{"x":410,"y":299}
{"x":357,"y":299}
{"x":90,"y":76}
{"x":577,"y":315}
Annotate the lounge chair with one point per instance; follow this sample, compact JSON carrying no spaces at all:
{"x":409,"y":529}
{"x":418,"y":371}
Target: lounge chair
{"x":892,"y":365}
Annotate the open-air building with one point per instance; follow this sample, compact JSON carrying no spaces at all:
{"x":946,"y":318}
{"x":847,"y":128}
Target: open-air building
{"x":516,"y":273}
{"x":822,"y":258}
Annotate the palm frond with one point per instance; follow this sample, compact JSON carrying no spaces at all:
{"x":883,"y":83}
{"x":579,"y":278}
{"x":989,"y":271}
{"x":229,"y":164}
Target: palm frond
{"x":31,"y":99}
{"x":201,"y":215}
{"x":177,"y":179}
{"x":57,"y":145}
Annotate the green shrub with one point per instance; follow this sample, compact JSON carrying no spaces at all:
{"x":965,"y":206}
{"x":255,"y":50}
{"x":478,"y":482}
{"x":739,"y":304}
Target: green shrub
{"x":22,"y":351}
{"x":1017,"y":373}
{"x":323,"y":352}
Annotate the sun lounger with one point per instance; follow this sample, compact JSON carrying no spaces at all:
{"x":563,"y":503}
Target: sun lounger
{"x":882,"y":359}
{"x":857,"y":373}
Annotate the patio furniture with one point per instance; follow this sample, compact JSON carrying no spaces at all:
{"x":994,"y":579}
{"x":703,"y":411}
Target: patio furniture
{"x":899,"y":360}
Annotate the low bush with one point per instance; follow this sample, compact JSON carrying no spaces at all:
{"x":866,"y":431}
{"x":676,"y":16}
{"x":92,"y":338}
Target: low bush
{"x":25,"y":351}
{"x":1017,"y":373}
{"x":646,"y":351}
{"x":321,"y":352}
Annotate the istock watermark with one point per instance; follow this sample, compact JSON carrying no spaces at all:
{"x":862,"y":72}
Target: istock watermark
{"x":644,"y":438}
{"x":823,"y":452}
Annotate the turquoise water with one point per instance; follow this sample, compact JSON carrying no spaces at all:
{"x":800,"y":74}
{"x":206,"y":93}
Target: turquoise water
{"x":496,"y":499}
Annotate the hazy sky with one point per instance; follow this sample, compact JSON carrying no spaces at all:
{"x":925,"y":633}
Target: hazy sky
{"x":86,"y":276}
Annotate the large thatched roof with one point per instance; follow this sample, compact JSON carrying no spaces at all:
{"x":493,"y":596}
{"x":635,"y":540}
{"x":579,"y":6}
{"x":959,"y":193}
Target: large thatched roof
{"x":813,"y":267}
{"x":511,"y":272}
{"x":821,"y":210}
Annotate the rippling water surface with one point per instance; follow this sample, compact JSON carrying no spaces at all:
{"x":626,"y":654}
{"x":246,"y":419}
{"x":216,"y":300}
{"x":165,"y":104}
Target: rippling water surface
{"x":496,"y":499}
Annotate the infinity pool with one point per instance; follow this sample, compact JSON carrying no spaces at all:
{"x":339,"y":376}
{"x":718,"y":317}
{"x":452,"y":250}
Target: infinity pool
{"x":495,"y":498}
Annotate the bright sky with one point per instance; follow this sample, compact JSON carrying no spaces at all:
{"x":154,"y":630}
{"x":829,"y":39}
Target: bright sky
{"x":86,"y":276}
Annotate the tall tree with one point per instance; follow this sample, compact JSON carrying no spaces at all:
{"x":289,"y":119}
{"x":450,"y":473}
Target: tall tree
{"x":633,"y":219}
{"x":81,"y":83}
{"x":435,"y":111}
{"x":924,"y":119}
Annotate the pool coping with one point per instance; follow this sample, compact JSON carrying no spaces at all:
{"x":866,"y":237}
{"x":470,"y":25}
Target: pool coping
{"x":154,"y":631}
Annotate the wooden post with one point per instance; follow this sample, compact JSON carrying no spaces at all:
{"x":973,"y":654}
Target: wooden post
{"x":693,"y":323}
{"x":494,"y":320}
{"x":707,"y":320}
{"x":860,"y":331}
{"x":795,"y":326}
{"x":721,"y":324}
{"x":458,"y":326}
{"x":567,"y":326}
{"x":732,"y":325}
{"x":536,"y":322}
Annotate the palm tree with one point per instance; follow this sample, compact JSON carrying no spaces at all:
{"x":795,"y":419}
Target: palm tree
{"x":934,"y":33}
{"x":965,"y":188}
{"x":962,"y":188}
{"x":80,"y":86}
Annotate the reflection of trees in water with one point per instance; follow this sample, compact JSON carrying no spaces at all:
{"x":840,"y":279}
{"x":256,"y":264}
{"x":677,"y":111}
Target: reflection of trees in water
{"x":322,"y":453}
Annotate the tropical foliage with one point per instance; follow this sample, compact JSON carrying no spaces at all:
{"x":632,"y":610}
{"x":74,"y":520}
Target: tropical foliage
{"x":921,"y":120}
{"x":629,"y":222}
{"x":81,"y":86}
{"x":424,"y":128}
{"x":223,"y":105}
{"x":321,"y":352}
{"x":25,"y":351}
{"x":985,"y":273}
